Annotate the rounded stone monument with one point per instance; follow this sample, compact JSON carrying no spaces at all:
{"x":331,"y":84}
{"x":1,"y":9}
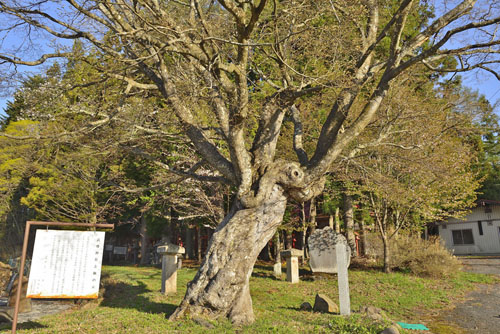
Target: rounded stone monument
{"x":322,"y":250}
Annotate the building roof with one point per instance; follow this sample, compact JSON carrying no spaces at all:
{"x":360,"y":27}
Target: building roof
{"x":481,"y":204}
{"x":486,"y":202}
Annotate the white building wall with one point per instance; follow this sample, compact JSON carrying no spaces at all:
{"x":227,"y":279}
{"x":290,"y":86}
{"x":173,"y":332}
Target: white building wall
{"x":487,"y":243}
{"x":479,"y":214}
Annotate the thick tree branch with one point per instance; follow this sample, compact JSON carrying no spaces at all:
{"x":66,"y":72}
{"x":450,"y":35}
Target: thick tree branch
{"x":344,"y":101}
{"x":297,"y":136}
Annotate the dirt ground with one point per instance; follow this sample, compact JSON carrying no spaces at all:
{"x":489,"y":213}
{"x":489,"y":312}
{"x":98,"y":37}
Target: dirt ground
{"x":480,"y":313}
{"x":482,"y":265}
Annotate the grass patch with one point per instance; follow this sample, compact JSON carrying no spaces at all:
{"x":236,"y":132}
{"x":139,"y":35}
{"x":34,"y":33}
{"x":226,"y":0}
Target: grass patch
{"x":132,"y":303}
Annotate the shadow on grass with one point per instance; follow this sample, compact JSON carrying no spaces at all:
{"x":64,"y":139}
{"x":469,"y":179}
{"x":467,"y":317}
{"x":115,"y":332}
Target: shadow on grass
{"x":22,"y":326}
{"x":261,"y":265}
{"x":290,"y":308}
{"x":265,"y":275}
{"x":298,"y":309}
{"x":365,"y":264}
{"x":124,"y":295}
{"x":264,"y":270}
{"x":137,"y":276}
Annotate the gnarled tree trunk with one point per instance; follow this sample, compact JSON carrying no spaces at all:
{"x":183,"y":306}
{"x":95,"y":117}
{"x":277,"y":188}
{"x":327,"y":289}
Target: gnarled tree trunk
{"x":221,"y":286}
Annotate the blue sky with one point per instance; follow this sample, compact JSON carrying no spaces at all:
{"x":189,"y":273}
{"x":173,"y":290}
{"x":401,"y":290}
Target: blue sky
{"x":481,"y":81}
{"x":486,"y":84}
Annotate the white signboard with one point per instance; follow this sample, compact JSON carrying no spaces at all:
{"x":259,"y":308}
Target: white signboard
{"x":66,"y":264}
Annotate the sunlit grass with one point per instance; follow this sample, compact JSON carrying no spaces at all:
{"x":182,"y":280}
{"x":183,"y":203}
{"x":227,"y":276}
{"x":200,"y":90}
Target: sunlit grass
{"x":132,"y":303}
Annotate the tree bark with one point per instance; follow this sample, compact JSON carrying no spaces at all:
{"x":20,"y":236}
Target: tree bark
{"x":277,"y":257}
{"x":269,"y":253}
{"x":277,"y":248}
{"x":349,"y":223}
{"x":313,"y":213}
{"x":304,"y":228}
{"x":144,"y":241}
{"x":312,"y":224}
{"x":288,"y":239}
{"x":304,"y":245}
{"x":188,"y":242}
{"x":362,"y":238}
{"x":221,"y":286}
{"x":198,"y":243}
{"x":337,"y":220}
{"x":168,"y":229}
{"x":387,"y":255}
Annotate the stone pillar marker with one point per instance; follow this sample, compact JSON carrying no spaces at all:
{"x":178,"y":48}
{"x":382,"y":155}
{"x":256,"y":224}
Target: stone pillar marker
{"x":343,"y":280}
{"x":169,"y":253}
{"x":292,"y":264}
{"x":277,"y":269}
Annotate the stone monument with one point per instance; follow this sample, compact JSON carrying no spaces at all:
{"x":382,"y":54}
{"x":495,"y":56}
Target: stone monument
{"x":322,"y":250}
{"x":292,"y":264}
{"x":170,"y":254}
{"x":343,"y":280}
{"x":277,"y":269}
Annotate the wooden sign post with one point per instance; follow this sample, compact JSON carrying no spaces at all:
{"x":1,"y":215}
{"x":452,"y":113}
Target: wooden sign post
{"x":60,"y":238}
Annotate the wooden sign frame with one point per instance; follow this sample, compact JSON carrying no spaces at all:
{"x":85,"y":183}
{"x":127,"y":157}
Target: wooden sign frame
{"x":25,"y":249}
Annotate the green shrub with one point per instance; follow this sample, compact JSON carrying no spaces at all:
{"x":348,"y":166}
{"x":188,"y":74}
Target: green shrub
{"x":428,"y":258}
{"x":411,"y":253}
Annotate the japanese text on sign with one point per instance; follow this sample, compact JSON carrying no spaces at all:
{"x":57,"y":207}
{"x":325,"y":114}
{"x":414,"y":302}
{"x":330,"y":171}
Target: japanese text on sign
{"x":66,"y":264}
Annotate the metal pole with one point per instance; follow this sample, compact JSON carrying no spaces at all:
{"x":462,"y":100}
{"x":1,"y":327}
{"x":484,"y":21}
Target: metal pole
{"x":23,"y":256}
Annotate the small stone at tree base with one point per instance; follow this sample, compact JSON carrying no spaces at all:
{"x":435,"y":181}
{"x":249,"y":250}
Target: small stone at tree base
{"x":370,"y":310}
{"x":324,"y":304}
{"x":5,"y":317}
{"x":24,"y":303}
{"x":203,"y":322}
{"x":395,"y":324}
{"x":373,"y":312}
{"x":306,"y":306}
{"x":390,"y":330}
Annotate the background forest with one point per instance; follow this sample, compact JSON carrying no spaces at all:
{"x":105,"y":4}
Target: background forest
{"x":132,"y":169}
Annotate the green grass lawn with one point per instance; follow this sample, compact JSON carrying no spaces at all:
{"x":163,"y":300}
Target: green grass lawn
{"x":132,"y":303}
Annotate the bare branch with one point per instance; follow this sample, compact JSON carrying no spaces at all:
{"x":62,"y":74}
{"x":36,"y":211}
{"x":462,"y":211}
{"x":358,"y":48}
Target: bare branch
{"x":41,"y":60}
{"x":186,"y":174}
